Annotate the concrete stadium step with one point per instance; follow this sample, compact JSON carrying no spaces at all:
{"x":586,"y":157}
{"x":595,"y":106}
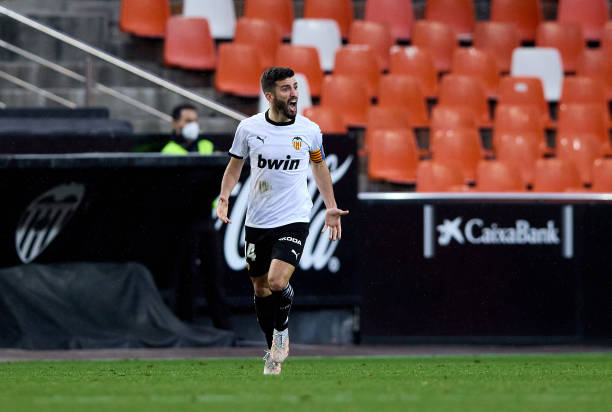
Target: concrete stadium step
{"x":104,"y":73}
{"x":92,"y":29}
{"x":143,"y":122}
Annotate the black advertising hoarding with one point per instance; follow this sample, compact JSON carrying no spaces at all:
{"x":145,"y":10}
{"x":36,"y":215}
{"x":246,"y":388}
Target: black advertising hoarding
{"x":488,"y":268}
{"x":327,"y":272}
{"x":138,"y":207}
{"x":103,"y":208}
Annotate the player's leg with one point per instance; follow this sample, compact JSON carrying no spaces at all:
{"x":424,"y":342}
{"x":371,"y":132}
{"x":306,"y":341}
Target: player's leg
{"x":258,"y":248}
{"x":265,"y":309}
{"x":286,"y":254}
{"x":282,"y":293}
{"x":265,"y":306}
{"x":278,"y":278}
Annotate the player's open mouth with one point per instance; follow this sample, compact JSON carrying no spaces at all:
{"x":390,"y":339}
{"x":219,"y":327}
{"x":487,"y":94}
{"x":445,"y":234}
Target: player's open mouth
{"x":293,"y":104}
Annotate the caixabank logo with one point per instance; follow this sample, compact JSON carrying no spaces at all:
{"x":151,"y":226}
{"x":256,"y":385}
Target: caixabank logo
{"x":462,"y":231}
{"x":44,"y":218}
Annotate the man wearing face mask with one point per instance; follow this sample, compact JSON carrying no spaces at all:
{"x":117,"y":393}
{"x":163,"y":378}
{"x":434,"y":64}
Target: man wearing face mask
{"x":195,"y":265}
{"x":185,"y":132}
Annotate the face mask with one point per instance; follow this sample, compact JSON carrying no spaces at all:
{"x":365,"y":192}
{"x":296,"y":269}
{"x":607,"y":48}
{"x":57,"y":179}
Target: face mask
{"x":191,"y":131}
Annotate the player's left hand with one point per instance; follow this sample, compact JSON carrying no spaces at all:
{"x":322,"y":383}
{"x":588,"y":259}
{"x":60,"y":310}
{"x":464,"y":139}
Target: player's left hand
{"x":332,"y":220}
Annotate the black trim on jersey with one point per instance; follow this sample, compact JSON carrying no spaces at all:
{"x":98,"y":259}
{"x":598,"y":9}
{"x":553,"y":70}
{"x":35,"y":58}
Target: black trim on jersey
{"x":233,"y":155}
{"x":289,"y":123}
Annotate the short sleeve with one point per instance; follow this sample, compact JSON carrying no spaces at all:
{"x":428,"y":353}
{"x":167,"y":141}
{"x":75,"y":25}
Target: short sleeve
{"x":240,"y":147}
{"x":317,"y":154}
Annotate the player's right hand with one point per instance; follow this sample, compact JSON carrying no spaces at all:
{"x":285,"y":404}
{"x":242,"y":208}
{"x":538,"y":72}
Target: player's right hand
{"x":222,"y":210}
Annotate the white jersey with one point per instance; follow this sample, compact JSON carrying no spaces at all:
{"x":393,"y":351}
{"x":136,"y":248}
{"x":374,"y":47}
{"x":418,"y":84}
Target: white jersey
{"x":279,"y":154}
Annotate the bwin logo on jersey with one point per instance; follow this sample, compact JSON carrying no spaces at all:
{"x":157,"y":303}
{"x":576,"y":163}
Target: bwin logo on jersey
{"x":277,"y":164}
{"x":44,"y":218}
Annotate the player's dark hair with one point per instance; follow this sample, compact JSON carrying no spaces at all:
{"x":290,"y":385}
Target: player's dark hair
{"x":176,"y":112}
{"x":272,"y":74}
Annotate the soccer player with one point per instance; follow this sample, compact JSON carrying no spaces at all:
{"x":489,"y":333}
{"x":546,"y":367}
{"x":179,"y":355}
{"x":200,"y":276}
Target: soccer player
{"x":280,"y":145}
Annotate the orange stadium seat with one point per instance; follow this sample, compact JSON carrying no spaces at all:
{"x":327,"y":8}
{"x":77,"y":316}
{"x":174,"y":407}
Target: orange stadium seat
{"x":578,"y":89}
{"x":444,"y":119}
{"x":238,"y":70}
{"x":348,"y":95}
{"x":339,"y":10}
{"x":458,"y":14}
{"x":519,"y":149}
{"x":397,"y":90}
{"x":302,"y":59}
{"x":398,"y":14}
{"x":592,"y":15}
{"x":438,"y":177}
{"x":525,"y":14}
{"x":478,"y":64}
{"x":498,"y":176}
{"x":189,"y":44}
{"x":602,"y":175}
{"x":556,"y":175}
{"x":524,"y":91}
{"x":565,"y":37}
{"x":280,"y":12}
{"x":464,"y":91}
{"x":606,"y":37}
{"x":377,"y":36}
{"x":499,"y":39}
{"x":416,"y":62}
{"x":145,"y":18}
{"x":393,"y":156}
{"x":385,"y":118}
{"x":576,"y":119}
{"x":461,"y":148}
{"x":519,"y":120}
{"x":439,"y":39}
{"x":581,"y":150}
{"x":359,"y":62}
{"x":262,"y":35}
{"x":329,"y":119}
{"x":380,"y":117}
{"x":597,"y":64}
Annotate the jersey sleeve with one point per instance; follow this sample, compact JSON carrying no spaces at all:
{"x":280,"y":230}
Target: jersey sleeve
{"x":317,"y":154}
{"x":240,"y":147}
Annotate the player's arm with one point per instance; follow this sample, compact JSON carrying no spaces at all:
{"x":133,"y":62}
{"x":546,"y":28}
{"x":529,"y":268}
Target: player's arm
{"x":322,"y":177}
{"x":230,"y":178}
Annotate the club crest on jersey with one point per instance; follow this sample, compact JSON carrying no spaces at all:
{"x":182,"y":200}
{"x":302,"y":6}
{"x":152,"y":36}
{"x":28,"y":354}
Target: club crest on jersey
{"x":297,"y":143}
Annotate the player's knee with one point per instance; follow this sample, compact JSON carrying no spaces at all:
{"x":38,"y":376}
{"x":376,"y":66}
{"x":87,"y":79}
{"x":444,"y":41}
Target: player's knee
{"x":261,"y":289}
{"x":277,"y":283}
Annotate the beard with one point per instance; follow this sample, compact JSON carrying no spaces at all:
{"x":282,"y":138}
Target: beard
{"x":283,"y":107}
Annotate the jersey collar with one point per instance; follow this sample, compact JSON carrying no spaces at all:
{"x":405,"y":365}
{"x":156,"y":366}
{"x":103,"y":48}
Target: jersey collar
{"x":289,"y":123}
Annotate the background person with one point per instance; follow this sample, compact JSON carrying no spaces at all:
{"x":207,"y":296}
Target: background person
{"x":185,"y":133}
{"x":196,"y":265}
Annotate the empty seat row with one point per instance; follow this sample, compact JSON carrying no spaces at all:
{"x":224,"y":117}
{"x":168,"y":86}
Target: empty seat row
{"x":458,"y":160}
{"x":147,"y":17}
{"x":552,"y":175}
{"x":350,"y":97}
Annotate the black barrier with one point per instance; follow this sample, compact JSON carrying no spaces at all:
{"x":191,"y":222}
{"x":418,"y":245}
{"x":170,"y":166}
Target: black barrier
{"x":494,"y":268}
{"x":103,"y":208}
{"x":137,"y":207}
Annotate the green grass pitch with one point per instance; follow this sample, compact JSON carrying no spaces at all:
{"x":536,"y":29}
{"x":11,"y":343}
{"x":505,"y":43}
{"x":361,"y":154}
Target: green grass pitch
{"x":438,"y":383}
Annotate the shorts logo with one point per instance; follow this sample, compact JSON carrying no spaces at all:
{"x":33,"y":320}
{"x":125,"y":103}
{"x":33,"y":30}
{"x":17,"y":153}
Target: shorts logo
{"x":297,"y":143}
{"x":292,"y":239}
